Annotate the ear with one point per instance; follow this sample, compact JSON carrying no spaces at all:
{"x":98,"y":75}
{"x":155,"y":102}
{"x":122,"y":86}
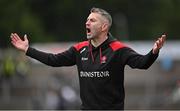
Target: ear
{"x":104,"y":27}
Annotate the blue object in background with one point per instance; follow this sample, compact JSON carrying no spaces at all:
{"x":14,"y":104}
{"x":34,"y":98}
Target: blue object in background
{"x":167,"y":63}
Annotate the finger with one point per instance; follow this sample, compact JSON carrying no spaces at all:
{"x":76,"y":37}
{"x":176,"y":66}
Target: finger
{"x":159,"y":39}
{"x":11,"y":36}
{"x":25,"y":37}
{"x":158,"y":43}
{"x":163,"y":35}
{"x":14,"y":43}
{"x":163,"y":38}
{"x":14,"y":37}
{"x":17,"y":36}
{"x":161,"y":42}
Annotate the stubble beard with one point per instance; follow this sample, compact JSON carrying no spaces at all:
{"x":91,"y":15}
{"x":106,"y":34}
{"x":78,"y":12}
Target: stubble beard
{"x":89,"y":37}
{"x":92,"y":35}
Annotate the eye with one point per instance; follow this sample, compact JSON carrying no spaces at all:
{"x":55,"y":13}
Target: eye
{"x":92,"y":20}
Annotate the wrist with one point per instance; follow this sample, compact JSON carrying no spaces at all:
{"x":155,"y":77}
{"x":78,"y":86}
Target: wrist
{"x":155,"y":51}
{"x":25,"y":50}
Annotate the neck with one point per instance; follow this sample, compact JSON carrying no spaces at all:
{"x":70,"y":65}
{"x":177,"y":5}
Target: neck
{"x":99,"y":40}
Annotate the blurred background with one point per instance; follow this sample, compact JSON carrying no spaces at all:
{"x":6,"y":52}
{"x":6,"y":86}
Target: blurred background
{"x":55,"y":25}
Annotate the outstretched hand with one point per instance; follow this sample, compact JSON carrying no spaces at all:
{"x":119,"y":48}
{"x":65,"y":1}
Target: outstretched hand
{"x":158,"y":44}
{"x":19,"y":43}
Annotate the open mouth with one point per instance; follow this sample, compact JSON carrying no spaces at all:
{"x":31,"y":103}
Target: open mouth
{"x":88,"y":31}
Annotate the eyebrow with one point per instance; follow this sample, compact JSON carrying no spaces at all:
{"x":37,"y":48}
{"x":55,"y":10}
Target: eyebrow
{"x":91,"y":19}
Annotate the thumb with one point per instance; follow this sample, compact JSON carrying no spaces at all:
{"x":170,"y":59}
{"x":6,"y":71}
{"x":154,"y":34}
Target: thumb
{"x":25,"y":37}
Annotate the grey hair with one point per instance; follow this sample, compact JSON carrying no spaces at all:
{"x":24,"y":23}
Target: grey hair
{"x":104,"y":13}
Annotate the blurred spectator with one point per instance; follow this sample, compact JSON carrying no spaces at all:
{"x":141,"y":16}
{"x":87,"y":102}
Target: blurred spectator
{"x":167,"y":63}
{"x":22,"y":66}
{"x":52,"y":100}
{"x":8,"y":71}
{"x":8,"y":67}
{"x":176,"y":93}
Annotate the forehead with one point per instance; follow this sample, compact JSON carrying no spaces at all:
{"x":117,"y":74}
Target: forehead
{"x":95,"y":16}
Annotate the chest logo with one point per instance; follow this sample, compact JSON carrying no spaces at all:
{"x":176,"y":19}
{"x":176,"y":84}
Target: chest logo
{"x":82,"y":50}
{"x":103,"y":59}
{"x":84,"y":58}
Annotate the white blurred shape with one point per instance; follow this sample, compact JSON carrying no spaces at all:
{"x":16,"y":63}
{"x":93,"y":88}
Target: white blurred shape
{"x":68,"y":94}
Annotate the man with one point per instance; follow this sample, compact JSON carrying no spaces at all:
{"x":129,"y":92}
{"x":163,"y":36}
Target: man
{"x":100,"y":61}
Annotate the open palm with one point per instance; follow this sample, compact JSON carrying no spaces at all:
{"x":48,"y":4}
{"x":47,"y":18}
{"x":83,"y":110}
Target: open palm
{"x":158,"y":44}
{"x":19,"y":43}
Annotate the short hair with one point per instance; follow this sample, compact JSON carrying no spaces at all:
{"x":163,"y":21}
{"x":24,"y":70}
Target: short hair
{"x":103,"y":13}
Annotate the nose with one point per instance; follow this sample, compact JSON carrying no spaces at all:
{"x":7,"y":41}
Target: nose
{"x":87,"y":23}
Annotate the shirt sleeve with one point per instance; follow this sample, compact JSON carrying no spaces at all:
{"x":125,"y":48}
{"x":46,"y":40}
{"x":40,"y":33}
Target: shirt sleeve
{"x":135,"y":60}
{"x":66,"y":58}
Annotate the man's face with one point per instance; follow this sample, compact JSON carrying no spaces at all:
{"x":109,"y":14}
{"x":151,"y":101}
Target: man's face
{"x":94,"y":25}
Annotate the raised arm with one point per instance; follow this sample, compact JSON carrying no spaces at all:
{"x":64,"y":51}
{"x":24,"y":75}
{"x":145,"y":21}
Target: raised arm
{"x":136,"y":60}
{"x":66,"y":58}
